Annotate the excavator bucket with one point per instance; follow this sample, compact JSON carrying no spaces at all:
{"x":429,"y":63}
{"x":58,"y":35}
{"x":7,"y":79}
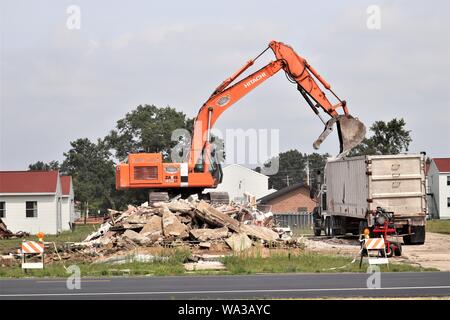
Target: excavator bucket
{"x":351,"y":132}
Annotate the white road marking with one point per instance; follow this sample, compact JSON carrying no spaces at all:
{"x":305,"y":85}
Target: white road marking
{"x":82,"y":281}
{"x":218,"y":291}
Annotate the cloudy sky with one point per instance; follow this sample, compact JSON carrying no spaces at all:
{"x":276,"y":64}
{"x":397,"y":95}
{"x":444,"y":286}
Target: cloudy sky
{"x":59,"y":84}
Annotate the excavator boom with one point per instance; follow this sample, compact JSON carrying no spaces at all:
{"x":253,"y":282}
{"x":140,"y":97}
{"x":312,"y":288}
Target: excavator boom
{"x":202,"y":170}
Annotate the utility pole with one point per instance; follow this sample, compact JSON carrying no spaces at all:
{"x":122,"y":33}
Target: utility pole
{"x":307,"y":173}
{"x":287,"y":180}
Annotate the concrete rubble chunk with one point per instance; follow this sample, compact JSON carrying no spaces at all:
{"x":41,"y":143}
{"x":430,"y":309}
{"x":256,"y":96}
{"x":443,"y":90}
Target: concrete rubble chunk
{"x":172,"y":226}
{"x":152,"y":227}
{"x":136,"y":237}
{"x":101,"y":231}
{"x":214,"y":217}
{"x":204,"y":265}
{"x":132,"y":226}
{"x":239,"y":242}
{"x":258,"y":232}
{"x":205,"y":245}
{"x":209,"y":234}
{"x":179,"y":206}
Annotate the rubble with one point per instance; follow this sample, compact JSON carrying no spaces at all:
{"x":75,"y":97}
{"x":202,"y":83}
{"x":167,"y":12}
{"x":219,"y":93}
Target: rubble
{"x":209,"y":234}
{"x":239,"y":242}
{"x":204,"y":265}
{"x":172,"y":227}
{"x":193,"y":223}
{"x":7,"y":234}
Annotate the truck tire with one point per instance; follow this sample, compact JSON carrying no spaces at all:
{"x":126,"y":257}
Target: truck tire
{"x":417,"y":237}
{"x":390,"y":251}
{"x":317,"y":231}
{"x":328,"y":230}
{"x":317,"y":222}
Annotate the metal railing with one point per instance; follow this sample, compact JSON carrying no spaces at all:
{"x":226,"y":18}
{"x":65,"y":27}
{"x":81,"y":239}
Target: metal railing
{"x":302,"y":220}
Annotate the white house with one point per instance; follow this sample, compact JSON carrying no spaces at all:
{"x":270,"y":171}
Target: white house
{"x":68,"y":202}
{"x":438,"y":178}
{"x":238,"y":179}
{"x":31,"y":201}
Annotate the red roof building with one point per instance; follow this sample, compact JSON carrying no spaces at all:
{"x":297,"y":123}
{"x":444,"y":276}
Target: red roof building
{"x":36,"y":201}
{"x":438,"y":188}
{"x":443,"y":164}
{"x":28,"y":181}
{"x":66,"y":185}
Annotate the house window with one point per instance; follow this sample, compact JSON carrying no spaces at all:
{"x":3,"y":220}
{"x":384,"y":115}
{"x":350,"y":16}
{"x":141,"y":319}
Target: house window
{"x":448,"y":202}
{"x":31,"y":209}
{"x":2,"y":209}
{"x":448,"y":180}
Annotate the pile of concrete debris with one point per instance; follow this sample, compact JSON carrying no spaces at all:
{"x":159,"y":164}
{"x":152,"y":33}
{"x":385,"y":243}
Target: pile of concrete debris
{"x":193,"y":223}
{"x":7,"y":234}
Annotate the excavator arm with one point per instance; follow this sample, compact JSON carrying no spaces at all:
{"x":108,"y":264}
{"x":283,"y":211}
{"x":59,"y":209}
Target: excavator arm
{"x":351,"y":131}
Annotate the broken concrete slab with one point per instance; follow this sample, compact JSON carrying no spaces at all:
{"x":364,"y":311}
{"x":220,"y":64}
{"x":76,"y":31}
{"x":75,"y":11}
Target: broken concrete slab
{"x":152,"y":227}
{"x":179,"y":206}
{"x":209,"y":234}
{"x":214,"y":217}
{"x":239,"y":242}
{"x":204,"y":265}
{"x":204,"y":245}
{"x":172,"y":226}
{"x":101,"y":231}
{"x":258,"y":232}
{"x":136,"y":237}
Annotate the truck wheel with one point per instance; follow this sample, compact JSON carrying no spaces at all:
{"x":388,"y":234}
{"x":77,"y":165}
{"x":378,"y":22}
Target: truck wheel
{"x":317,"y":231}
{"x":407,"y":240}
{"x":417,"y":238}
{"x":328,"y":230}
{"x":389,"y":252}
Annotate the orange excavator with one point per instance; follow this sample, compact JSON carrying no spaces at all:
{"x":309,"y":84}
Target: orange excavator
{"x":202,"y":169}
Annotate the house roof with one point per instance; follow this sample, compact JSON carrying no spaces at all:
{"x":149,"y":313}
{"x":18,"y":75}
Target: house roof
{"x":282,"y":192}
{"x":443,"y":164}
{"x":244,"y":167}
{"x":65,"y":185}
{"x":28,"y":181}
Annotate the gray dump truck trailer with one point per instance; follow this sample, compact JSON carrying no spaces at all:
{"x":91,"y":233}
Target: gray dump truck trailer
{"x":354,"y":187}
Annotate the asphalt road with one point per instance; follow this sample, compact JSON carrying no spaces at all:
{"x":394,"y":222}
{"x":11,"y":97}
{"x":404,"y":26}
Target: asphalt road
{"x":393,"y":284}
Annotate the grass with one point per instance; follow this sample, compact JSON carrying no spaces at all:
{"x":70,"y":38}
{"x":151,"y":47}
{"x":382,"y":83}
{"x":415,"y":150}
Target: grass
{"x":277,"y":262}
{"x":79,"y":234}
{"x":438,"y":226}
{"x":304,"y":262}
{"x":172,"y":266}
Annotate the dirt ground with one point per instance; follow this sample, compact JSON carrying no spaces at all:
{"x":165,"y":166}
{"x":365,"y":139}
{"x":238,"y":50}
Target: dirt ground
{"x":435,"y":253}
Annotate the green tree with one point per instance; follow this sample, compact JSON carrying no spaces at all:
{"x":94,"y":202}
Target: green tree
{"x":147,"y":129}
{"x":92,"y":171}
{"x":292,"y":168}
{"x":42,"y":166}
{"x":387,"y":138}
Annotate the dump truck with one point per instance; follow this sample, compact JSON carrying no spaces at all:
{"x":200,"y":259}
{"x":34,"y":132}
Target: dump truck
{"x":354,"y":187}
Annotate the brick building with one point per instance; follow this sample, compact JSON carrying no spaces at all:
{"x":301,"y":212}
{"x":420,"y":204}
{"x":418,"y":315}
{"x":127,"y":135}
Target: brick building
{"x":292,"y":199}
